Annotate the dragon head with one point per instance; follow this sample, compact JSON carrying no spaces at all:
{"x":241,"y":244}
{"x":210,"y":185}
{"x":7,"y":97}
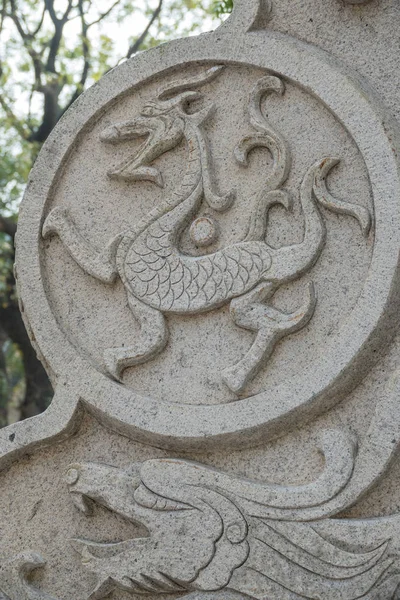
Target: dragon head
{"x":162,"y":122}
{"x":197,"y":537}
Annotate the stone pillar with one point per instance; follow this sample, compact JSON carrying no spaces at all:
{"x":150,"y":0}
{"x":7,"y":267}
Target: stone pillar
{"x":208,"y":267}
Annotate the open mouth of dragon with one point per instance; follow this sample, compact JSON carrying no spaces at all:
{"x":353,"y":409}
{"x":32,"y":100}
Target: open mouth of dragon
{"x":86,"y":496}
{"x":82,"y":502}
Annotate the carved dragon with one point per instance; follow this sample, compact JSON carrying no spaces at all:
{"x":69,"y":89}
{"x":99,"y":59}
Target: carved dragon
{"x":207,"y":533}
{"x":159,"y":278}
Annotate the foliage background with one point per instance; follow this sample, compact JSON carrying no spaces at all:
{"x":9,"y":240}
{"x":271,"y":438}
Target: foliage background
{"x":50,"y":52}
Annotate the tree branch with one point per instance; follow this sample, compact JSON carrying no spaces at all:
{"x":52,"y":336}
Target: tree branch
{"x":16,"y":123}
{"x":86,"y":56}
{"x":104,"y":14}
{"x":86,"y":48}
{"x":136,"y":45}
{"x":58,"y":32}
{"x":39,"y":26}
{"x":13,"y":15}
{"x":3,"y":14}
{"x":38,"y":389}
{"x":52,"y":89}
{"x":54,"y":48}
{"x":3,"y":368}
{"x":27,"y":38}
{"x":51,"y":112}
{"x":65,"y":16}
{"x":49,"y":5}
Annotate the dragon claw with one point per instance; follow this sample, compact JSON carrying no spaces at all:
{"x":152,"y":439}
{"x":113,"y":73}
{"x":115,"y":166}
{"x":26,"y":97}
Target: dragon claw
{"x":271,"y":325}
{"x":54,"y":221}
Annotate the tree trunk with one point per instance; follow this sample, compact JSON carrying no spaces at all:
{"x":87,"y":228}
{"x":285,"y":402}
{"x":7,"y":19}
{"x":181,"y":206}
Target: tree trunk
{"x":38,"y":391}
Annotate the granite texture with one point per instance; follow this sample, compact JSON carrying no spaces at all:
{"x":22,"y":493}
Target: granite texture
{"x":207,"y":260}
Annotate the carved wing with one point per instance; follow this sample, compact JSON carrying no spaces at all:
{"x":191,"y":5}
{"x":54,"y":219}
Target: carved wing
{"x":264,"y":499}
{"x":215,"y":522}
{"x":292,"y":561}
{"x":287,"y":559}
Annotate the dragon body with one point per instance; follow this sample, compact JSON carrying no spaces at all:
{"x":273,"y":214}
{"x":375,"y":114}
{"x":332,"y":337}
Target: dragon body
{"x":158,"y":273}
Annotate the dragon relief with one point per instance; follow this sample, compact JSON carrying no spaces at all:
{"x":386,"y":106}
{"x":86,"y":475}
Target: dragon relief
{"x":209,"y":531}
{"x":159,"y":278}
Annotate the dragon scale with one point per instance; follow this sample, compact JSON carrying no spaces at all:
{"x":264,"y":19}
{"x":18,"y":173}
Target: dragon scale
{"x":161,"y":276}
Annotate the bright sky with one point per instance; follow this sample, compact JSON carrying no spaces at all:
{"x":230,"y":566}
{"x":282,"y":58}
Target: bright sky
{"x":122,"y":33}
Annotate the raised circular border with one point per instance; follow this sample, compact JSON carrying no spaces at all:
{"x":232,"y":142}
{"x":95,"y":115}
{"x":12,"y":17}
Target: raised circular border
{"x":351,"y":350}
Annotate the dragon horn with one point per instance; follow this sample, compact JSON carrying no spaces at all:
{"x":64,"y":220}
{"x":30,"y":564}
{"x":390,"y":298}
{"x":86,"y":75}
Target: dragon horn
{"x":176,"y":87}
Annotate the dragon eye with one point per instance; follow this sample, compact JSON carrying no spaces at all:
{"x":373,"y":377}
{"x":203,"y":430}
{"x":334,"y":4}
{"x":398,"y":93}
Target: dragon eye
{"x":148,"y":111}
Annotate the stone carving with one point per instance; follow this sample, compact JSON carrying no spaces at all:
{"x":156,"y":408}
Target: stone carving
{"x":225,"y":532}
{"x":204,"y":534}
{"x":14,"y":572}
{"x":348,"y":341}
{"x":159,"y":278}
{"x":248,"y":16}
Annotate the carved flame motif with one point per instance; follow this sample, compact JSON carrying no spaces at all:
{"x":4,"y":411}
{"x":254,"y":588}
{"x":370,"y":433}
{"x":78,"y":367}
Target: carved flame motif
{"x":159,"y":278}
{"x":206,"y":533}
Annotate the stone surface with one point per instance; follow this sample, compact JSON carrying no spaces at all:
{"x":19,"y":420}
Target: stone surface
{"x":207,"y":260}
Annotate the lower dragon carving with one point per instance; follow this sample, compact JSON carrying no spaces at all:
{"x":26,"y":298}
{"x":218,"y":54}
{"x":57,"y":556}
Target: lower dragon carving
{"x":207,"y":533}
{"x":160,"y":279}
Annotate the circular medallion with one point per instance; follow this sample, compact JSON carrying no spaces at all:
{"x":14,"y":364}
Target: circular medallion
{"x":174,"y":335}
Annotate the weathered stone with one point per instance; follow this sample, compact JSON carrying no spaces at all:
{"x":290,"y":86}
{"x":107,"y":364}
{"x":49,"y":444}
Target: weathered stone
{"x":207,"y":259}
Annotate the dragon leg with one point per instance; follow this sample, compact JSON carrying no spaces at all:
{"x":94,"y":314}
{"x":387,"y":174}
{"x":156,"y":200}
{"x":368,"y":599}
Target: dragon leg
{"x":100,"y":265}
{"x":153,"y":337}
{"x":271,"y":325}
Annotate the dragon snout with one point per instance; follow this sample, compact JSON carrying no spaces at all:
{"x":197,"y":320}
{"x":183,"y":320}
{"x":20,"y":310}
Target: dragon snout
{"x":92,"y":483}
{"x":110,"y":134}
{"x":78,"y":488}
{"x":127,"y":130}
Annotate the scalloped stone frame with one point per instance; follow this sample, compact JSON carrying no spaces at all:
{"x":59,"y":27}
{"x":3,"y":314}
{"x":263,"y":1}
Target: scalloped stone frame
{"x":351,"y":350}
